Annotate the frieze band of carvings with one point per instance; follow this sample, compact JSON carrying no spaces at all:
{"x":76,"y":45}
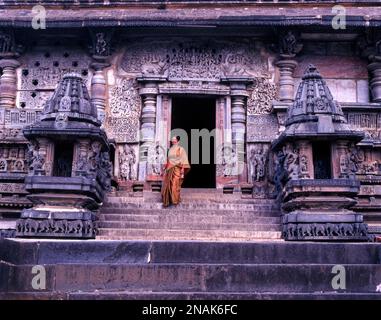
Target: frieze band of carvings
{"x":13,"y":159}
{"x":181,"y":60}
{"x":53,"y":227}
{"x":19,"y":118}
{"x":12,"y":188}
{"x":300,"y":231}
{"x":370,"y":123}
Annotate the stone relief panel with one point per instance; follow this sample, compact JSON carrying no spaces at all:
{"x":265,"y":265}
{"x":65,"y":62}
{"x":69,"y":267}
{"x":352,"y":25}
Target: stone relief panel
{"x":186,"y":59}
{"x":127,"y":162}
{"x":18,"y":118}
{"x":42,"y":69}
{"x":262,"y":127}
{"x":259,"y":173}
{"x":123,"y":117}
{"x":13,"y":159}
{"x":359,"y":161}
{"x":261,"y":96}
{"x":369,"y":122}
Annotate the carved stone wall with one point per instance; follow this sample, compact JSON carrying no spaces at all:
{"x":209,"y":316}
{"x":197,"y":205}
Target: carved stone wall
{"x":42,"y":68}
{"x":368,"y":122}
{"x":123,"y":116}
{"x":181,"y":59}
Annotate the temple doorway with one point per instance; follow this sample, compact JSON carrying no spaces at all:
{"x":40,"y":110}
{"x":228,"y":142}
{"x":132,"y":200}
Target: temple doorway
{"x":197,"y":113}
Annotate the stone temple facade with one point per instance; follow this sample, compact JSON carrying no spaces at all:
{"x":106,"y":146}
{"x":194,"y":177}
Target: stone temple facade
{"x":89,"y":100}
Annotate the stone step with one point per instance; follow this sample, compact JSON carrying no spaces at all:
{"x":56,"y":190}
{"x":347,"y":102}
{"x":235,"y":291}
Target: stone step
{"x":188,"y":213}
{"x":149,"y":295}
{"x":210,"y":278}
{"x":193,"y":206}
{"x":168,"y":234}
{"x":189,"y":218}
{"x":32,"y":252}
{"x":189,"y":226}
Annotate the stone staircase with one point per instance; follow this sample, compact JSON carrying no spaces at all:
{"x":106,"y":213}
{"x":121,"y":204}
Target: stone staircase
{"x":95,"y":269}
{"x":203,"y":214}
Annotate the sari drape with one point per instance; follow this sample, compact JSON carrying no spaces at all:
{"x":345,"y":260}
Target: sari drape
{"x":173,"y":178}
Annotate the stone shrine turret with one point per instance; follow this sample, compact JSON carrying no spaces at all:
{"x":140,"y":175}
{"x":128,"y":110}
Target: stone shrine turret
{"x":69,"y":166}
{"x":315,"y":170}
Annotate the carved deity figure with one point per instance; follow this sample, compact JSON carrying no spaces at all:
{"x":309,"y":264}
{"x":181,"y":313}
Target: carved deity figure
{"x":229,"y":161}
{"x":157,"y":160}
{"x":5,"y":43}
{"x":101,"y":44}
{"x":289,"y":45}
{"x":280,"y":173}
{"x":350,"y":162}
{"x":291,"y":163}
{"x":127,"y":161}
{"x":304,"y":166}
{"x":258,"y":162}
{"x":94,"y":156}
{"x":105,"y":170}
{"x":34,"y":159}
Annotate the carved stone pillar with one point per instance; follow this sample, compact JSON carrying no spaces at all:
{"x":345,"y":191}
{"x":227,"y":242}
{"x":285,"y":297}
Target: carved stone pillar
{"x":98,"y":89}
{"x":8,"y":83}
{"x":101,"y":50}
{"x":286,"y":80}
{"x":147,"y":125}
{"x":375,"y":81}
{"x":238,"y":126}
{"x":289,"y":47}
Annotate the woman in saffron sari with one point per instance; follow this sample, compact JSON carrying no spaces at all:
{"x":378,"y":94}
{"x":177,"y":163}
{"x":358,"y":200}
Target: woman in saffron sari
{"x":176,"y":168}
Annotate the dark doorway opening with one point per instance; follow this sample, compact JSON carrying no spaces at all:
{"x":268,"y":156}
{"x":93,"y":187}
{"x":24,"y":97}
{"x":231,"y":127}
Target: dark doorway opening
{"x":197,"y":113}
{"x":63,"y":159}
{"x":322,"y":160}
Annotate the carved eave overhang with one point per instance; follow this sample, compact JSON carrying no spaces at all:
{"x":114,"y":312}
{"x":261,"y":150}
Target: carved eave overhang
{"x":349,"y":135}
{"x":158,"y":14}
{"x":72,"y":131}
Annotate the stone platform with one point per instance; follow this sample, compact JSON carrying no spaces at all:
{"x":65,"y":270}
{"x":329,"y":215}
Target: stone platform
{"x":203,"y":214}
{"x":93,"y":269}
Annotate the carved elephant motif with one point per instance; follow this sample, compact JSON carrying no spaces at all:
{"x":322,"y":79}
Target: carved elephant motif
{"x":20,"y":227}
{"x":346,"y":229}
{"x":74,"y":226}
{"x":88,"y":227}
{"x":60,"y":226}
{"x":305,"y":230}
{"x":31,"y":226}
{"x":318,"y":229}
{"x":333,"y":229}
{"x":361,"y":229}
{"x":45,"y":226}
